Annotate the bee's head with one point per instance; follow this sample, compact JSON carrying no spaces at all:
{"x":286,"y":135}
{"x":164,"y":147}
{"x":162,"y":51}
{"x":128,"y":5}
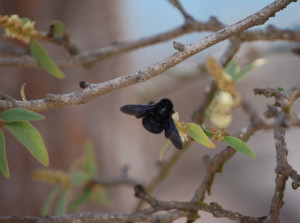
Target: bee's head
{"x":165,"y":106}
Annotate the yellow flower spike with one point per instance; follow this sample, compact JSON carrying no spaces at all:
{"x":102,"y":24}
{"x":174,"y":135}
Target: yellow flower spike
{"x":218,"y":135}
{"x":181,"y":127}
{"x":221,"y":107}
{"x":55,"y":177}
{"x":15,"y":28}
{"x":228,"y":97}
{"x":223,"y":79}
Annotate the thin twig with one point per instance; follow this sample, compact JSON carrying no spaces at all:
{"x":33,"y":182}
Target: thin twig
{"x":123,"y":178}
{"x":93,"y":56}
{"x":177,"y":4}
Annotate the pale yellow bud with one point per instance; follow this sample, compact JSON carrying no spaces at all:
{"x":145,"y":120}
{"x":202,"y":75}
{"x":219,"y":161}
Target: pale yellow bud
{"x":221,"y":110}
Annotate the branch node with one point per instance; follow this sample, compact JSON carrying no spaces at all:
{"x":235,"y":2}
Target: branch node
{"x":267,"y":92}
{"x":51,"y":97}
{"x":213,"y":21}
{"x":178,"y":46}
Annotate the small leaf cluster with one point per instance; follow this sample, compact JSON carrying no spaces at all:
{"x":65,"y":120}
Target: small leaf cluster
{"x":227,"y":97}
{"x":201,"y":135}
{"x":23,"y":29}
{"x":73,"y":188}
{"x":16,"y":121}
{"x":236,"y":72}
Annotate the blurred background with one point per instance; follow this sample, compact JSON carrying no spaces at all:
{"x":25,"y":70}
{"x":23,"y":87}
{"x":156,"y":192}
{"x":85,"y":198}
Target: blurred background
{"x":245,"y":185}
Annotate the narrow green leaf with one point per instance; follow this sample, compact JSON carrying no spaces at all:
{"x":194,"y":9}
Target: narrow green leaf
{"x":232,"y":68}
{"x":197,"y":133}
{"x":79,"y":200}
{"x":61,"y":206}
{"x":3,"y":160}
{"x":22,"y":92}
{"x":27,"y":135}
{"x":162,"y":151}
{"x":18,"y":114}
{"x":44,"y":60}
{"x":90,"y":165}
{"x":249,"y":67}
{"x":207,"y":132}
{"x":79,"y":178}
{"x":239,"y":146}
{"x":58,"y":28}
{"x":49,"y":200}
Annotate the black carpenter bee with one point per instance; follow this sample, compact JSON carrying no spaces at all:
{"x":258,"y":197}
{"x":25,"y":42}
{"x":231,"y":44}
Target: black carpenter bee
{"x":156,"y":118}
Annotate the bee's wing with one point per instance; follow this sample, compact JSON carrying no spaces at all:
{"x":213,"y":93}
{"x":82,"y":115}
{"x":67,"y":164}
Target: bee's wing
{"x":138,"y":111}
{"x":171,"y":133}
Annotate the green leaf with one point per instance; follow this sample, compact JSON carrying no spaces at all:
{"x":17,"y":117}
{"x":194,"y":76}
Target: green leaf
{"x":44,"y":60}
{"x":58,"y":28}
{"x":25,"y":20}
{"x":27,"y":135}
{"x":79,"y":178}
{"x":90,"y":165}
{"x":249,"y":67}
{"x":280,"y":89}
{"x":80,"y":199}
{"x":3,"y":160}
{"x":197,"y":133}
{"x":61,"y":206}
{"x":232,"y":68}
{"x":239,"y":146}
{"x":18,"y":114}
{"x":22,"y":92}
{"x":162,"y":151}
{"x":49,"y":200}
{"x":207,"y":132}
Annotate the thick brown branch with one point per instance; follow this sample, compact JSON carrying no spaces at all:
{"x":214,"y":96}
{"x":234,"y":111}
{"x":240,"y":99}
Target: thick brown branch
{"x":96,"y":90}
{"x":95,"y":217}
{"x":214,"y":208}
{"x":281,"y":177}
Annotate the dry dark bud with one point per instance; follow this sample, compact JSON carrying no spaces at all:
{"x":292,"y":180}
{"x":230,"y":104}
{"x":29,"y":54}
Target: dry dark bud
{"x":277,"y":104}
{"x":50,"y":33}
{"x":215,"y":205}
{"x":139,"y":191}
{"x":83,"y":84}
